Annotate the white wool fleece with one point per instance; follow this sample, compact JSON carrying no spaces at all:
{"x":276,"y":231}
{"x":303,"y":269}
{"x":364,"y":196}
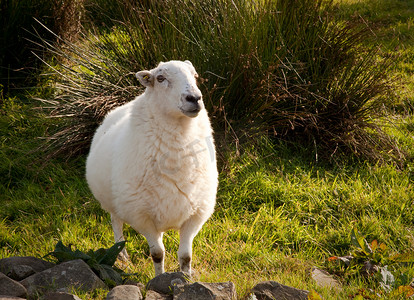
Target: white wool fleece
{"x":152,"y":161}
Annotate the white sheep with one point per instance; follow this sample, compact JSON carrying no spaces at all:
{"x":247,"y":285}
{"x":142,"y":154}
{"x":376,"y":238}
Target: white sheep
{"x":152,"y":162}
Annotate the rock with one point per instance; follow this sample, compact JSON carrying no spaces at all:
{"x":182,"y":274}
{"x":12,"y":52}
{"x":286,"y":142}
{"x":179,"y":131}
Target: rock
{"x":164,"y":283}
{"x":124,"y":292}
{"x":272,"y":290}
{"x":20,"y":272}
{"x":153,"y":295}
{"x":74,"y":273}
{"x":141,"y":286}
{"x":205,"y":291}
{"x":9,"y":287}
{"x":324,"y":279}
{"x":38,"y":265}
{"x":60,"y":296}
{"x":2,"y":297}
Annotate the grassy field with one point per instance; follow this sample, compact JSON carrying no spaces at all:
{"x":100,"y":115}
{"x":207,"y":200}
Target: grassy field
{"x":279,"y":210}
{"x":392,"y":24}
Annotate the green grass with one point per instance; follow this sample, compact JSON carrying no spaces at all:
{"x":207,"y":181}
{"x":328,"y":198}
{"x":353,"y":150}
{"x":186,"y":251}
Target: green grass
{"x":278,"y":213}
{"x":392,"y":26}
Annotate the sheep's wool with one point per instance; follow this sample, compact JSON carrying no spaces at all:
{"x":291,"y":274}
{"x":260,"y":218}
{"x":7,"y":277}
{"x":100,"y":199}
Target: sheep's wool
{"x":152,"y":166}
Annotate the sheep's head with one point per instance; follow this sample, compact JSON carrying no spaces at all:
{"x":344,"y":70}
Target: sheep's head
{"x":174,"y":84}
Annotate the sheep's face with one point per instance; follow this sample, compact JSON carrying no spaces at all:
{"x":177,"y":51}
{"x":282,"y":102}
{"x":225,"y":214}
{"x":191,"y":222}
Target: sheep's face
{"x":175,"y":86}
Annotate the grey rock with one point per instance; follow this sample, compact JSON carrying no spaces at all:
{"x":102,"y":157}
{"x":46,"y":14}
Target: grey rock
{"x":60,"y":296}
{"x":38,"y":265}
{"x":124,"y":292}
{"x":153,"y":295}
{"x":3,"y":297}
{"x":205,"y":291}
{"x":324,"y":279}
{"x":20,"y":272}
{"x":272,"y":290}
{"x":164,"y":283}
{"x":9,"y":287}
{"x":140,"y":285}
{"x":74,"y":273}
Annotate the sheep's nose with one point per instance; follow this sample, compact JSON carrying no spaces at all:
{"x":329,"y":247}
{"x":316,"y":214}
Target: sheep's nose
{"x":192,"y":98}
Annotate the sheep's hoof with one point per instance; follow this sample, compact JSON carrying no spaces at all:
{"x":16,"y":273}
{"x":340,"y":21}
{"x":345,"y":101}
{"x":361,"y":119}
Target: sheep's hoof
{"x":123,"y":262}
{"x":123,"y":256}
{"x":192,"y":274}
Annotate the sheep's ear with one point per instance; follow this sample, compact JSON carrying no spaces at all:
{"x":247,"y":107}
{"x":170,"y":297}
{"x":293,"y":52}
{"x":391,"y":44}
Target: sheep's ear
{"x":188,"y":62}
{"x":145,"y":77}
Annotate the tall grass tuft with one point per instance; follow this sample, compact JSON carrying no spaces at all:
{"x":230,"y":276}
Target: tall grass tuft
{"x":283,"y":68}
{"x":18,"y":66}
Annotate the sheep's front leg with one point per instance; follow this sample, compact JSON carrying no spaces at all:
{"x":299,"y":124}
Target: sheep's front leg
{"x":157,"y":250}
{"x":188,"y":231}
{"x":117,"y":226}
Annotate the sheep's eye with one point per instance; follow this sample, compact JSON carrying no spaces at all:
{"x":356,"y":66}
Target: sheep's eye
{"x":160,"y":78}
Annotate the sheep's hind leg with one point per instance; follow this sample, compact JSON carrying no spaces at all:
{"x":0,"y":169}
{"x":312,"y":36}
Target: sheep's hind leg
{"x":188,"y":231}
{"x":117,"y":226}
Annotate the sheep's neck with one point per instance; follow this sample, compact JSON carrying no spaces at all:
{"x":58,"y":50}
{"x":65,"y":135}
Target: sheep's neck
{"x":169,"y":122}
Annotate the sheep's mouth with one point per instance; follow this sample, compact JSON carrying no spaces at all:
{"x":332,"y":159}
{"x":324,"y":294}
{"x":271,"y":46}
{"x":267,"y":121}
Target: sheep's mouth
{"x":191,"y":112}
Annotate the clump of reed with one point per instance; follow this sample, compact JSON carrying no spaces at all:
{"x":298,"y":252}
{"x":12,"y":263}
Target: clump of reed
{"x":281,"y":68}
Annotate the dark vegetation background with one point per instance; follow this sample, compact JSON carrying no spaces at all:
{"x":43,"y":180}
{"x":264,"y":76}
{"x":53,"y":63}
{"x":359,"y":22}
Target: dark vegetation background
{"x":279,"y":68}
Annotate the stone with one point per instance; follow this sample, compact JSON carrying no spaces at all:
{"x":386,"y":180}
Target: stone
{"x":62,"y":277}
{"x":153,"y":295}
{"x":164,"y":283}
{"x":60,"y":296}
{"x":9,"y":287}
{"x":3,"y":297}
{"x":324,"y":279}
{"x":140,"y":285}
{"x":272,"y":290}
{"x":124,"y":292}
{"x":20,"y":272}
{"x":38,"y":265}
{"x":205,"y":291}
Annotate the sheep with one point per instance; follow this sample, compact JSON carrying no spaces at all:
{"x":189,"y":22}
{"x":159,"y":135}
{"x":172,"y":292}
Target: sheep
{"x":152,"y":162}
